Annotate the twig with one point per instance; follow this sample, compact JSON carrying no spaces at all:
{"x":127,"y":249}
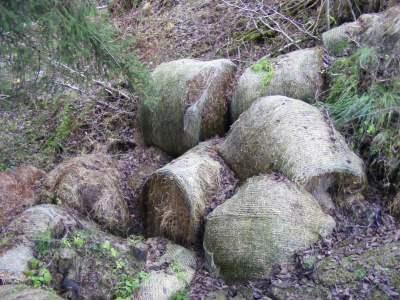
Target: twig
{"x":111,"y":89}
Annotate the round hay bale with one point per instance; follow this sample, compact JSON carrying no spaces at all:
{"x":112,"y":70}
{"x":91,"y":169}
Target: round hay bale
{"x":338,"y":41}
{"x":91,"y":185}
{"x":24,"y":292}
{"x":263,"y":224}
{"x":164,"y":283}
{"x":18,"y":191}
{"x":18,"y":240}
{"x":297,"y":74}
{"x":380,"y":31}
{"x":176,"y":196}
{"x":297,"y":139}
{"x":190,"y":103}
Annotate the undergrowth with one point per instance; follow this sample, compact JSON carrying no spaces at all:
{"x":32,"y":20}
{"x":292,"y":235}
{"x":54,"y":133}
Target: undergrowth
{"x":365,"y":107}
{"x":94,"y":255}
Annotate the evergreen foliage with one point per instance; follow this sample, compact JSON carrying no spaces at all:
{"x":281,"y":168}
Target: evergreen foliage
{"x":50,"y":43}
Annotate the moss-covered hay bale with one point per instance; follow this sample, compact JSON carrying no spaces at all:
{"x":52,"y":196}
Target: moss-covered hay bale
{"x":263,"y":224}
{"x":91,"y":185}
{"x":190,"y":103}
{"x":20,"y":238}
{"x":172,"y":272}
{"x":380,"y":31}
{"x":297,"y":74}
{"x":175,"y":197}
{"x":297,"y":139}
{"x":24,"y":292}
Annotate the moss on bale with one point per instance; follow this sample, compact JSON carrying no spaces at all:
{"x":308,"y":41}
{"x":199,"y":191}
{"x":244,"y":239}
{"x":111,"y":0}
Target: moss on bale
{"x":189,"y":103}
{"x":297,"y":74}
{"x":175,"y":197}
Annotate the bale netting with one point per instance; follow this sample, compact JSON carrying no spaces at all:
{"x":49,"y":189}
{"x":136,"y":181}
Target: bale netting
{"x":297,"y":139}
{"x":177,"y":196}
{"x":297,"y":74}
{"x":380,"y":31}
{"x":91,"y":184}
{"x":263,"y":224}
{"x":189,"y":104}
{"x":25,"y":292}
{"x":171,"y":273}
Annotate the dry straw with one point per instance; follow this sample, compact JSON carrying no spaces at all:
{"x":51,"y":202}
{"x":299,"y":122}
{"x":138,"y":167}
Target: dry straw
{"x":91,"y":185}
{"x":176,"y":196}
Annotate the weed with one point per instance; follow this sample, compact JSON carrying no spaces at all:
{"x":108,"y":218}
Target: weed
{"x":43,"y":243}
{"x":127,"y":285}
{"x":38,"y":276}
{"x":133,"y":240}
{"x":78,"y":240}
{"x":178,"y":270}
{"x":108,"y":249}
{"x":365,"y":107}
{"x":180,"y":295}
{"x":360,"y":273}
{"x":265,"y":67}
{"x":3,"y":167}
{"x":340,"y":47}
{"x":62,"y":132}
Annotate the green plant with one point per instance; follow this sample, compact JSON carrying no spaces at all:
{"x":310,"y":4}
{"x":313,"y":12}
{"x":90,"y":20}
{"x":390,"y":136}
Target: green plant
{"x":180,"y":295}
{"x":264,"y":67}
{"x":63,"y":130}
{"x":365,"y":108}
{"x":127,"y":285}
{"x":38,"y":276}
{"x":48,"y":44}
{"x":78,"y":240}
{"x":178,"y":270}
{"x":133,"y":240}
{"x":108,"y":249}
{"x":42,"y":243}
{"x":3,"y":167}
{"x":360,"y":273}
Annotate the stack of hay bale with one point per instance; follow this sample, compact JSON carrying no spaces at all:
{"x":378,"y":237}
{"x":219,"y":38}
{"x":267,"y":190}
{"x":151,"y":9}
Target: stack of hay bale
{"x":287,"y":154}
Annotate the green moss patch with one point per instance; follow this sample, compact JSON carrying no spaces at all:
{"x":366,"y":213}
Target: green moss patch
{"x":266,"y":69}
